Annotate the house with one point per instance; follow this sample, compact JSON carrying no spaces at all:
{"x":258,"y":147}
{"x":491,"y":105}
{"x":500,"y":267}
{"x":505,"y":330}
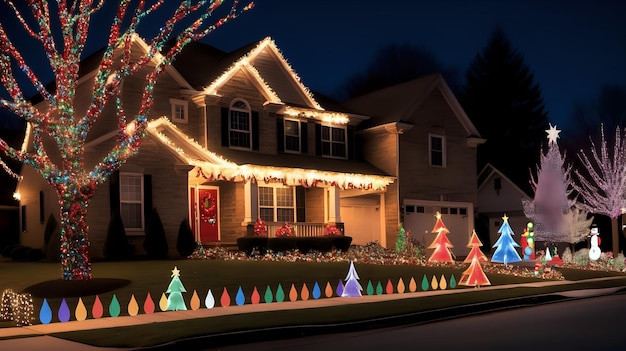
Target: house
{"x":499,"y":195}
{"x":418,"y":133}
{"x":232,"y":137}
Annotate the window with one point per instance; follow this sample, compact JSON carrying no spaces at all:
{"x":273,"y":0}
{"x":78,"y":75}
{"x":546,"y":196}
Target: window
{"x":239,"y":125}
{"x":277,"y":204}
{"x":179,"y":110}
{"x":131,"y":200}
{"x":333,"y":142}
{"x":437,"y":150}
{"x":292,"y":135}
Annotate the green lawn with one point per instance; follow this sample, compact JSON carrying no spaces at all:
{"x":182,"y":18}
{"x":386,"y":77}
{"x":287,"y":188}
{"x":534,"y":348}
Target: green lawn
{"x":140,"y":277}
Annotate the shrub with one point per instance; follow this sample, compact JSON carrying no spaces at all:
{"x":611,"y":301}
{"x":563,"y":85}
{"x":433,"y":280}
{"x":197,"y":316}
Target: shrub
{"x":305,"y":244}
{"x":116,"y":244}
{"x":342,"y":243}
{"x":568,"y":258}
{"x":53,"y":249}
{"x":248,"y":244}
{"x":619,"y":261}
{"x":19,"y":253}
{"x":34,"y":255}
{"x":281,"y":244}
{"x":185,"y":242}
{"x":155,"y":242}
{"x":6,"y":252}
{"x":581,"y":257}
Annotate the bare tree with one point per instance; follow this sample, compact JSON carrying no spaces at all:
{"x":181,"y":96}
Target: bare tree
{"x":602,"y":181}
{"x":61,"y":29}
{"x":578,"y":225}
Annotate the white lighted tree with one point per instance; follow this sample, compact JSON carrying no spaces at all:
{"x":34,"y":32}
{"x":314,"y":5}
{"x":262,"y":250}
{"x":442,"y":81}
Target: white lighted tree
{"x":553,"y":200}
{"x":602,"y":182}
{"x":578,"y":225}
{"x":61,"y":29}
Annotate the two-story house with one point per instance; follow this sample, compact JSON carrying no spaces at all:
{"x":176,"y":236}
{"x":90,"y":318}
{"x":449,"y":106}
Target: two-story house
{"x":232,"y":137}
{"x":419,"y":133}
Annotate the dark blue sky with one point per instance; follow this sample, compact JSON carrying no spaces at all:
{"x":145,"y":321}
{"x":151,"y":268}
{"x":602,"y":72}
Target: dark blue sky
{"x":572,"y":47}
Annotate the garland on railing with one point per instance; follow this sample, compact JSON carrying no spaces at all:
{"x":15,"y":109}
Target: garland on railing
{"x":285,"y":230}
{"x":331,"y":229}
{"x":260,"y":228}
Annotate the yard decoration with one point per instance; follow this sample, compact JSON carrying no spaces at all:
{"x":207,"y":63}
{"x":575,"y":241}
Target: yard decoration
{"x":225,"y":299}
{"x":528,"y":242}
{"x":194,"y":303}
{"x":293,"y":293}
{"x":369,"y":290}
{"x":148,"y":305}
{"x":81,"y":311}
{"x":475,"y":252}
{"x":452,"y":282}
{"x":97,"y":310}
{"x":425,"y":284}
{"x":339,"y":289}
{"x":64,"y":311}
{"x":317,"y":293}
{"x":474,"y":275}
{"x":505,"y":252}
{"x":17,"y":307}
{"x":594,"y":251}
{"x":268,"y":297}
{"x":401,"y":239}
{"x":255,"y":298}
{"x":328,"y":291}
{"x":304,"y":292}
{"x":441,"y":244}
{"x":379,"y":288}
{"x":434,"y":284}
{"x":260,"y":228}
{"x":60,"y":29}
{"x":114,"y":307}
{"x":353,"y":287}
{"x":280,"y":293}
{"x":240,"y":298}
{"x":163,"y":302}
{"x":45,"y":313}
{"x":400,"y":287}
{"x":209,"y":300}
{"x":175,"y":300}
{"x":389,"y":287}
{"x":412,"y":285}
{"x":443,"y":284}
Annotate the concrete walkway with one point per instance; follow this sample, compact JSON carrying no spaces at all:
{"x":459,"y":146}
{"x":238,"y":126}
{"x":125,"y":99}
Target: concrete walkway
{"x":36,"y":337}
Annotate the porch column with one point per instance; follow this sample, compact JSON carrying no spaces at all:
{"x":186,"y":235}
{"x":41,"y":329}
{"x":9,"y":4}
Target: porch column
{"x":334,"y":206}
{"x":251,"y":202}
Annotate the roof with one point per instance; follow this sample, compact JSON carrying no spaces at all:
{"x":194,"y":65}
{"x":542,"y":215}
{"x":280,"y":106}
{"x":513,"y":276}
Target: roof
{"x":399,"y":102}
{"x":287,"y":169}
{"x":489,"y":170}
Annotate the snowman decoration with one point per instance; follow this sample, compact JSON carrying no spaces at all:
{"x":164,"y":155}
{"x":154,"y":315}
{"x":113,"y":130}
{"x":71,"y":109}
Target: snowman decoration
{"x":594,"y":251}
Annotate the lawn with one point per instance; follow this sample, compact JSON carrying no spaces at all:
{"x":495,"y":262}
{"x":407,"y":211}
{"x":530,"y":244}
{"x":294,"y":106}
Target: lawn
{"x":141,"y":277}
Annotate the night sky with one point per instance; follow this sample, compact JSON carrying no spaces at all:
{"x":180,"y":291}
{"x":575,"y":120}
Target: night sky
{"x":572,"y":47}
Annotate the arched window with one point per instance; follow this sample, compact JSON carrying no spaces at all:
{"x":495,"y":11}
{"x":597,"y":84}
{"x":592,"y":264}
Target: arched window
{"x":240,"y":124}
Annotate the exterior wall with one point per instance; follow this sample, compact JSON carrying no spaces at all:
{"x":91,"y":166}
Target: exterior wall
{"x":32,"y":235}
{"x":231,"y":211}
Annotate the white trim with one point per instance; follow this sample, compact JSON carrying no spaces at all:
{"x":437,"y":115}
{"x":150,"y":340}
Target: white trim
{"x":443,"y":150}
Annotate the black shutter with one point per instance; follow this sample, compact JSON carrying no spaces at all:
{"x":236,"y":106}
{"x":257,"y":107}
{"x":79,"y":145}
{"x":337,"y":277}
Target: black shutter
{"x":280,"y":134}
{"x":147,"y":197}
{"x":318,"y":139}
{"x":304,"y":137}
{"x":350,"y":141}
{"x":225,"y":127}
{"x":255,"y":130}
{"x":300,"y":204}
{"x":114,"y":192}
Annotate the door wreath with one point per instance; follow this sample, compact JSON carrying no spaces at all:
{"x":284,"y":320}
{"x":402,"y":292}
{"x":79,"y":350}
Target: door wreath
{"x":208,"y":208}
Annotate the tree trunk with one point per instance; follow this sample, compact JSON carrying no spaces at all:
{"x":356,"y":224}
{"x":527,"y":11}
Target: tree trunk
{"x":74,"y":234}
{"x":615,"y":236}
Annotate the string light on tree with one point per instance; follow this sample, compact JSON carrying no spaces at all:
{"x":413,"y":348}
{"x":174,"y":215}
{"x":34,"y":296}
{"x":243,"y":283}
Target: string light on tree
{"x":66,"y":24}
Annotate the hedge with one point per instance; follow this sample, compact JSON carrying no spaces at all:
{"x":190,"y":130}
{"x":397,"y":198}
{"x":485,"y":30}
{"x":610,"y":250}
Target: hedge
{"x":248,"y":244}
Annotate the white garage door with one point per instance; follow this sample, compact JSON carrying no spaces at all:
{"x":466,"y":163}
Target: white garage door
{"x":361,"y":218}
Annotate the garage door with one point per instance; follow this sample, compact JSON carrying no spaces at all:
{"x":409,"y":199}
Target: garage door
{"x":361,"y":218}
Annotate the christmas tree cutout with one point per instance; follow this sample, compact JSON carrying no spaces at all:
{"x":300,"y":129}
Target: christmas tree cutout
{"x":441,"y":244}
{"x":352,"y":288}
{"x":474,"y":274}
{"x":475,"y":252}
{"x":505,"y":252}
{"x":175,"y":300}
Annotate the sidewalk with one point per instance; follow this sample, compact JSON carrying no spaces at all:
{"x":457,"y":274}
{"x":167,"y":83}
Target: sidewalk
{"x":36,"y":337}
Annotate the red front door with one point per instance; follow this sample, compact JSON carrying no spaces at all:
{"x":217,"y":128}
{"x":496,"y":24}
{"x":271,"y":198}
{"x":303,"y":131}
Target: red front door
{"x":205,"y":210}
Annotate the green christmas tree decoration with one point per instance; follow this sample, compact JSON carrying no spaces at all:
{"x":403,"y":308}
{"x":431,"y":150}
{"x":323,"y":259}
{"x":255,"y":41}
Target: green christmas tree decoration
{"x":175,"y":301}
{"x":401,"y":239}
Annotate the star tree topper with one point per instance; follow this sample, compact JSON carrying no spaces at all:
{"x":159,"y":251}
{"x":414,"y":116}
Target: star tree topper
{"x":175,"y":272}
{"x":553,"y":134}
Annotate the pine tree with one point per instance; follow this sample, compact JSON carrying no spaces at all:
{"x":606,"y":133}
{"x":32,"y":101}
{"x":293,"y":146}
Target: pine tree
{"x":441,"y":244}
{"x":552,"y":201}
{"x":505,"y":104}
{"x":175,"y":301}
{"x":505,"y":252}
{"x":352,"y":288}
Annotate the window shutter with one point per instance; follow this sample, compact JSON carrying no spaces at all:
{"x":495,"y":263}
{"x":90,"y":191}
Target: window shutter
{"x":304,"y":137}
{"x":114,"y":192}
{"x":225,"y":141}
{"x":318,"y":139}
{"x":350,"y":141}
{"x":255,"y":130}
{"x":280,"y":134}
{"x":300,"y":204}
{"x":147,"y":197}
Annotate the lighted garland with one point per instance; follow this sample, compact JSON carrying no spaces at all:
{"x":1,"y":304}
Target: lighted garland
{"x":74,"y":184}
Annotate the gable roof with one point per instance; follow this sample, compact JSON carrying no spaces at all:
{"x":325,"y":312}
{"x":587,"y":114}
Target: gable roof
{"x":490,"y":170}
{"x":296,"y":170}
{"x":399,"y":102}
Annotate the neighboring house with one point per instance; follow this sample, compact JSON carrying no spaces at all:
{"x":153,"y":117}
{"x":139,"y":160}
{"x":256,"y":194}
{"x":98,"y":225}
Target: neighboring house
{"x":419,"y":133}
{"x":498,"y":195}
{"x":232,"y":137}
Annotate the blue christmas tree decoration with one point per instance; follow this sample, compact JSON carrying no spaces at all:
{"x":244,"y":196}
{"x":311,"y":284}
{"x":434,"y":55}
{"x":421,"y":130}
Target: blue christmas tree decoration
{"x":353,"y":287}
{"x":505,"y":252}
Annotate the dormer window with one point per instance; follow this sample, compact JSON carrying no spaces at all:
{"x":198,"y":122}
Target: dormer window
{"x":239,"y":125}
{"x":179,"y":111}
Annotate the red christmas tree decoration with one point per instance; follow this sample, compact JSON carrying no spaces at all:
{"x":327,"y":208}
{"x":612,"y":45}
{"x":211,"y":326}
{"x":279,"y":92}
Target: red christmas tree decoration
{"x":474,"y":275}
{"x":475,"y":252}
{"x":441,"y":244}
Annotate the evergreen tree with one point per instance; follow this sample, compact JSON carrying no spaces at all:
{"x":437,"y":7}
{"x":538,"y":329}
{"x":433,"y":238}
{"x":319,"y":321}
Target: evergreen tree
{"x":185,"y":243}
{"x":175,"y":301}
{"x":401,"y":239}
{"x":550,"y":207}
{"x":505,"y":252}
{"x":505,"y":104}
{"x":116,"y":244}
{"x":155,"y":241}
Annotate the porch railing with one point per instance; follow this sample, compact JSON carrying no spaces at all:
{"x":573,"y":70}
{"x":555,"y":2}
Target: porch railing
{"x":299,"y":229}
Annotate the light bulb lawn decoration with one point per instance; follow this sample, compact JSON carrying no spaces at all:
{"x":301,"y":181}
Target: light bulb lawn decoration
{"x":505,"y":245}
{"x":62,"y":124}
